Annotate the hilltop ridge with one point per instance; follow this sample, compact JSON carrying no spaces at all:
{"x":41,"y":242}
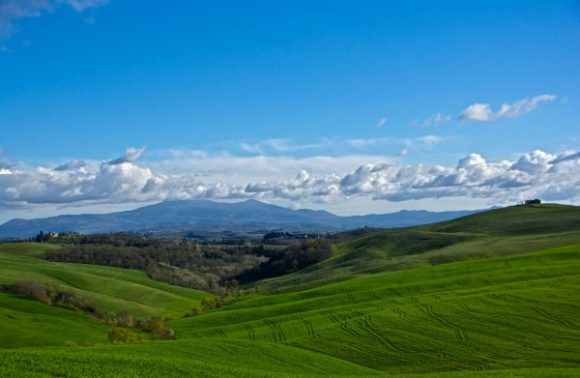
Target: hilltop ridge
{"x":208,"y":216}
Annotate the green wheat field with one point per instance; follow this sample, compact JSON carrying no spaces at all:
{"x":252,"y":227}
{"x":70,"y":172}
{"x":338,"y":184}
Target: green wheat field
{"x":493,"y":294}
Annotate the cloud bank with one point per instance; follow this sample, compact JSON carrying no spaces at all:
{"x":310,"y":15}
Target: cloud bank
{"x":552,"y":177}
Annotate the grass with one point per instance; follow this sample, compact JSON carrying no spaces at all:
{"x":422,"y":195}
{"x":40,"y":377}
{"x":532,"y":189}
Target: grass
{"x":502,"y":232}
{"x":26,"y":322}
{"x":505,"y":312}
{"x":490,"y":299}
{"x":111,"y":289}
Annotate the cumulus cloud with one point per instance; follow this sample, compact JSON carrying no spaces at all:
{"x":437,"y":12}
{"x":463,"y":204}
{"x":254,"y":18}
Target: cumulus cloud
{"x":483,"y":112}
{"x":131,"y":155}
{"x":12,"y":10}
{"x":568,"y":156}
{"x":71,"y":165}
{"x":536,"y":174}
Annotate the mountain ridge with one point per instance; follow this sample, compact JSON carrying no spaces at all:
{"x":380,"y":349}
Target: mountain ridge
{"x":210,"y":216}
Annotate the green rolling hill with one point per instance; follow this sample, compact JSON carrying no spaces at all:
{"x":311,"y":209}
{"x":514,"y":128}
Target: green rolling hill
{"x":26,"y":322}
{"x":492,"y":294}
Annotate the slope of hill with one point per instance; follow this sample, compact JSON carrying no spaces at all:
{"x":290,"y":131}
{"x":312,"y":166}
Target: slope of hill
{"x":25,"y":322}
{"x":517,"y":220}
{"x":502,"y":312}
{"x":205,"y":215}
{"x":498,"y":232}
{"x":429,"y":301}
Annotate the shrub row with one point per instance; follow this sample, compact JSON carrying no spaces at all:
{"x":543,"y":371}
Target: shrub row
{"x":121,"y":321}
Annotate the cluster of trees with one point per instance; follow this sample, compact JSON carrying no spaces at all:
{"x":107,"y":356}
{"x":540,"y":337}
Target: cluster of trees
{"x":155,"y":326}
{"x":298,"y":255}
{"x":51,"y":295}
{"x":232,"y":292}
{"x":43,"y":237}
{"x":198,"y":265}
{"x":283,"y":235}
{"x":119,"y":335}
{"x":180,"y":262}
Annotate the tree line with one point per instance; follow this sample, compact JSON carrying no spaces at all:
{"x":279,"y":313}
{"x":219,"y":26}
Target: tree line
{"x":206,"y":266}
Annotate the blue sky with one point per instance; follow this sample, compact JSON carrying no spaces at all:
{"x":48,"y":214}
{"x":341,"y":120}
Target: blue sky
{"x":365,"y":81}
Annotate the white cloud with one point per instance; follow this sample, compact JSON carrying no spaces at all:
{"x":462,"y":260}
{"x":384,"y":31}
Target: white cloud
{"x":381,"y":122}
{"x":571,"y":155}
{"x":131,"y":155}
{"x":430,"y":140}
{"x":437,"y":119}
{"x":361,"y":143}
{"x":12,"y":10}
{"x":477,"y":112}
{"x":404,"y":152}
{"x":335,"y":146}
{"x":483,"y":112}
{"x":82,"y":5}
{"x":279,"y":145}
{"x":425,"y":142}
{"x":314,"y":180}
{"x":71,"y":165}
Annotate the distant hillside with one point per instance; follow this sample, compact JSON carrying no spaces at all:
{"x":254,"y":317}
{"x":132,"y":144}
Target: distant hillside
{"x":208,"y":216}
{"x":498,"y":232}
{"x":517,"y":220}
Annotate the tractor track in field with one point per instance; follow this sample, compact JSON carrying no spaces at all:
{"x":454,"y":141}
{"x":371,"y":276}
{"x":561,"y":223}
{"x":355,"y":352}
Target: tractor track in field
{"x":402,"y":314}
{"x":343,"y":321}
{"x":362,"y":322}
{"x":251,"y":332}
{"x":461,"y":334}
{"x":220,"y":333}
{"x":365,"y":324}
{"x":277,"y":331}
{"x":542,"y":312}
{"x":551,"y":318}
{"x":345,"y":328}
{"x":350,"y":298}
{"x":310,"y":329}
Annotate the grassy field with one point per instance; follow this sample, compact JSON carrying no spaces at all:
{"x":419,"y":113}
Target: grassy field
{"x":508,"y":231}
{"x":498,"y":297}
{"x":25,"y":322}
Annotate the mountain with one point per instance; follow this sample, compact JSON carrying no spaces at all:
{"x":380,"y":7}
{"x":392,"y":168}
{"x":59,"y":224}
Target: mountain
{"x":204,"y":216}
